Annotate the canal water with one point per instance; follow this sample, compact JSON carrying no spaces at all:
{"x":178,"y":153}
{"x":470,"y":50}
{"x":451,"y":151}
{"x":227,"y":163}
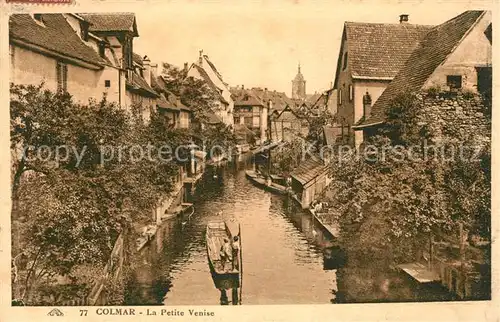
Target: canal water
{"x":282,"y":256}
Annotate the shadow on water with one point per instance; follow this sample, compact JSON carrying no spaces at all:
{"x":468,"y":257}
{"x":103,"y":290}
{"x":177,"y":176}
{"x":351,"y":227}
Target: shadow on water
{"x":375,"y":284}
{"x":174,"y":269}
{"x":288,"y":258}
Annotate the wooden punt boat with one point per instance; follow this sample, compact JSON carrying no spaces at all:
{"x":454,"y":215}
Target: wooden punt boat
{"x":259,"y":181}
{"x":223,"y":274}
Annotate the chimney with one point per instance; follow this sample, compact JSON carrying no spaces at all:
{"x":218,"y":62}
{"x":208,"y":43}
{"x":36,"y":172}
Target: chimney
{"x":147,"y":69}
{"x":367,"y":105}
{"x":185,"y":67}
{"x":242,"y":86}
{"x":200,"y":59}
{"x":154,"y":70}
{"x":403,"y":18}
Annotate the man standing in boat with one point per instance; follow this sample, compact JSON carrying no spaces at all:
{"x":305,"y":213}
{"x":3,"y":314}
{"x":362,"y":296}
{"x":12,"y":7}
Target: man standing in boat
{"x":236,"y":253}
{"x":226,"y":253}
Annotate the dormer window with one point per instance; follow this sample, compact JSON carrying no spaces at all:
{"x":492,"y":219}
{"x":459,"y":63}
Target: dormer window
{"x":102,"y":49}
{"x":84,"y":31}
{"x":38,"y":17}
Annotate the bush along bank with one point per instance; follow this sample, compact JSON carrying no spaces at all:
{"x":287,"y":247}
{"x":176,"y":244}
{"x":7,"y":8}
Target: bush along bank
{"x":69,"y":211}
{"x":429,"y":209}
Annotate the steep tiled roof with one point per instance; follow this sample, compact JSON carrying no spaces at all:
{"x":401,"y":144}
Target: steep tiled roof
{"x":214,"y":68}
{"x":432,"y":51}
{"x":162,"y":102}
{"x":242,"y":130}
{"x":312,"y":98}
{"x":56,"y":35}
{"x":137,"y":58}
{"x":212,"y":118}
{"x":168,"y":99}
{"x":138,"y":83}
{"x":209,"y":82}
{"x":290,"y":115}
{"x":279,"y":99}
{"x":248,"y":99}
{"x":111,"y":22}
{"x":308,"y":170}
{"x":378,"y":50}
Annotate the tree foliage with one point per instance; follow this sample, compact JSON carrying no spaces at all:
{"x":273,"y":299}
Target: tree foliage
{"x":203,"y":100}
{"x":316,"y":125}
{"x":404,"y":196}
{"x":287,"y":157}
{"x":71,"y":206}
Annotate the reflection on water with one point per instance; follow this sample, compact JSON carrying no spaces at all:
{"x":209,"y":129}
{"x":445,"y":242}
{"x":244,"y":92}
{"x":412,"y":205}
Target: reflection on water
{"x":282,"y":255}
{"x":281,"y":264}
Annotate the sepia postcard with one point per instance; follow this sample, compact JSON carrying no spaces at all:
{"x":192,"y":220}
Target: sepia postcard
{"x":258,"y":160}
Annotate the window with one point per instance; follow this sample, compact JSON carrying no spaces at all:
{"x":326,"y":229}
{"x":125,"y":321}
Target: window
{"x":62,"y":76}
{"x":248,"y":121}
{"x":107,"y":83}
{"x":38,"y":17}
{"x":454,"y":81}
{"x":340,"y":97}
{"x":351,"y":93}
{"x":344,"y":64}
{"x":102,"y":49}
{"x":84,"y":31}
{"x":237,"y":120}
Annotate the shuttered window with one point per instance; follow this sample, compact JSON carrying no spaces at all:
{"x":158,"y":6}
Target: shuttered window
{"x":62,"y":76}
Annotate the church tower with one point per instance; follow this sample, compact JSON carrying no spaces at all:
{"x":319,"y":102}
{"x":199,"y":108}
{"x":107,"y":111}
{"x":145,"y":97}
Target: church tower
{"x":299,"y":86}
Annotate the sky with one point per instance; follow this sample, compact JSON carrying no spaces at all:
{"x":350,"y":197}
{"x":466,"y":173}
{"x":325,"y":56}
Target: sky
{"x":260,"y":43}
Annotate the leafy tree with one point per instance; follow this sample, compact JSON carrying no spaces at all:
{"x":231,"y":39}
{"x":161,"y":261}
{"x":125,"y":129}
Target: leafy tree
{"x":71,"y":208}
{"x":202,"y":100}
{"x":404,"y":198}
{"x":287,"y":157}
{"x":193,"y":92}
{"x":316,"y":124}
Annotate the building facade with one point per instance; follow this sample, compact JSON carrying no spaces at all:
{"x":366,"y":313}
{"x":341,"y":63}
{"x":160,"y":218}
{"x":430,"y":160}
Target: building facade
{"x":370,"y":56}
{"x":287,"y":125}
{"x":204,"y":69}
{"x":81,"y":64}
{"x":454,"y":58}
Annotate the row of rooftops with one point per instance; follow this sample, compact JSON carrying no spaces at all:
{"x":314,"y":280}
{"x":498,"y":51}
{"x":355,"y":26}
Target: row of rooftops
{"x":52,"y":33}
{"x":257,"y":96}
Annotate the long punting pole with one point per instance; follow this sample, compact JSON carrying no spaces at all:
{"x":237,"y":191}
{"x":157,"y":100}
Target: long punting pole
{"x":241,"y":262}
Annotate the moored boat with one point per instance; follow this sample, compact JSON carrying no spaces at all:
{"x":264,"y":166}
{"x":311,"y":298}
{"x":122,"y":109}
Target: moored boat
{"x":225,"y":273}
{"x":260,"y":181}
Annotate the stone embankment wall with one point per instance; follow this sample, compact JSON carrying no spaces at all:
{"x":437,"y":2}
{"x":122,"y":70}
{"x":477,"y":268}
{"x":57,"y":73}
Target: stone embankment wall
{"x":460,"y":116}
